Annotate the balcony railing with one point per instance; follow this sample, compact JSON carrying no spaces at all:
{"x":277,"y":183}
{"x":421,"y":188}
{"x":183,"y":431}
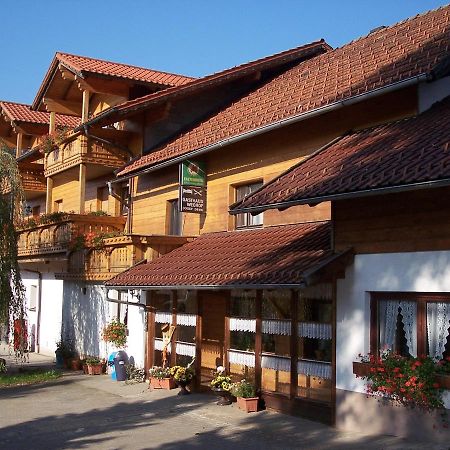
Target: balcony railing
{"x":82,"y":151}
{"x":62,"y":234}
{"x":117,"y":254}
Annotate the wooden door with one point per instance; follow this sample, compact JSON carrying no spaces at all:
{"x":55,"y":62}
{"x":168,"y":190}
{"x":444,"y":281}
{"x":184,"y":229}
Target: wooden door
{"x":213,"y":333}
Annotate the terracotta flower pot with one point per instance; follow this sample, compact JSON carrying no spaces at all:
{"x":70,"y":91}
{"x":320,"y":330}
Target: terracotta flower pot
{"x":248,"y":404}
{"x":75,"y":364}
{"x":162,"y":383}
{"x":94,"y":369}
{"x":224,"y":396}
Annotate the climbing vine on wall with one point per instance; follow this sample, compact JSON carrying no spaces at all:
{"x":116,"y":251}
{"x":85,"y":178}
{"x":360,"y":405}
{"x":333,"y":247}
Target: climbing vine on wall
{"x":12,"y":291}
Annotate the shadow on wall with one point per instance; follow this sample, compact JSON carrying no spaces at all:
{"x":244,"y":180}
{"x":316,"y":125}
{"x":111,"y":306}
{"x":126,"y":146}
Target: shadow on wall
{"x":85,"y":313}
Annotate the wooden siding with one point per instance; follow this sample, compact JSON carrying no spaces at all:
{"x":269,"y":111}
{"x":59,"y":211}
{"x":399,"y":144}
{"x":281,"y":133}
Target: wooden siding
{"x":402,"y":222}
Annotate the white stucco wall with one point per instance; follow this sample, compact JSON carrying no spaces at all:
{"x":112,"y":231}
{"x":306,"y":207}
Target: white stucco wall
{"x":136,"y":332}
{"x":51,"y":309}
{"x":85,"y":313}
{"x":31,"y":283}
{"x":415,"y":272}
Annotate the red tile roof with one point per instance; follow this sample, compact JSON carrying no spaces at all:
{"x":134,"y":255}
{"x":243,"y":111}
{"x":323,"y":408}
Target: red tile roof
{"x":408,"y":49}
{"x":268,"y":256}
{"x":392,"y":156}
{"x":299,"y":53}
{"x":83,"y":65}
{"x":18,"y":112}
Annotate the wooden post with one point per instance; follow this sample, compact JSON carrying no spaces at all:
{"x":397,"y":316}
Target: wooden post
{"x":333,"y":353}
{"x":198,"y":341}
{"x":294,"y":347}
{"x":258,"y":339}
{"x":85,"y":107}
{"x":150,"y":350}
{"x":19,"y":144}
{"x":173,"y":353}
{"x":82,"y":187}
{"x":226,"y":340}
{"x":49,"y":201}
{"x":52,"y":125}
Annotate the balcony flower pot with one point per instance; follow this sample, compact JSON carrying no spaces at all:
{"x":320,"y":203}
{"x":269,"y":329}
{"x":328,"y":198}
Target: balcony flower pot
{"x":162,"y":383}
{"x":248,"y":404}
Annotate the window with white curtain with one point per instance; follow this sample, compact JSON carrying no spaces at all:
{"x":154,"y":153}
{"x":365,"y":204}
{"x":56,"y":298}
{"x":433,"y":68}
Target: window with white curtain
{"x":246,"y":220}
{"x":413,"y":323}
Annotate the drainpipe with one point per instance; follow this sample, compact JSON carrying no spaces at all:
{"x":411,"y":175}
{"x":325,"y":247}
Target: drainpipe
{"x":38,"y":322}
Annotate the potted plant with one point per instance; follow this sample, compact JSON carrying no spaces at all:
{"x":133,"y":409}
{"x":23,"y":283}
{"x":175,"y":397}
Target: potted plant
{"x":94,"y":366}
{"x":64,"y":352}
{"x":116,"y":333}
{"x":160,"y":378}
{"x":182,"y":376}
{"x":245,"y":394}
{"x":220,"y":385}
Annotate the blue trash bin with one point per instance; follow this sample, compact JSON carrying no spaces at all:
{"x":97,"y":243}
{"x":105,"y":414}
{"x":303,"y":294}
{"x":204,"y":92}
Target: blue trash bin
{"x":111,"y":365}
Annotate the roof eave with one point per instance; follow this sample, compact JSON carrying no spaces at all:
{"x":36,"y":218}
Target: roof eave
{"x":343,"y":196}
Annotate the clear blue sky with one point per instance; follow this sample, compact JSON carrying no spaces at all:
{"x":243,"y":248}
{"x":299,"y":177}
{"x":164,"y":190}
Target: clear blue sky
{"x":192,"y":37}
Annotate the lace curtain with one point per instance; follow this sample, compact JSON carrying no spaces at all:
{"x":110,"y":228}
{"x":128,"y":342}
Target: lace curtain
{"x":242,"y":358}
{"x":163,"y":317}
{"x":182,"y":348}
{"x":314,"y":330}
{"x":438,"y":323}
{"x":388,"y":312}
{"x":314,"y":368}
{"x":276,"y":363}
{"x":237,"y":324}
{"x":159,"y":345}
{"x":188,"y":320}
{"x":278,"y":327}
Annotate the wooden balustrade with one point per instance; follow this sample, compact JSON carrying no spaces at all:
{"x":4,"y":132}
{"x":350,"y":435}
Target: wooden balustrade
{"x":117,"y":254}
{"x":82,"y":151}
{"x":61,"y":236}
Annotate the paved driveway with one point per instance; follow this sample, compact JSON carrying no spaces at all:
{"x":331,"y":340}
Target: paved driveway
{"x":79,"y":411}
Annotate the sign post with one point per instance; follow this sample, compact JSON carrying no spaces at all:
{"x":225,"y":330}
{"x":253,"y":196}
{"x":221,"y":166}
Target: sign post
{"x":192,"y":187}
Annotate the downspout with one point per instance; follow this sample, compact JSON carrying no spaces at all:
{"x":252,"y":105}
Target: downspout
{"x":38,"y":321}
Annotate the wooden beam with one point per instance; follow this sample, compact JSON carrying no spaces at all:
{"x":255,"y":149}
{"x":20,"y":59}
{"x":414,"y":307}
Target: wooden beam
{"x":63,"y":106}
{"x":85,"y":107}
{"x":19,"y":144}
{"x":48,"y":202}
{"x":52,"y":126}
{"x":198,"y":341}
{"x":82,"y":187}
{"x":150,"y":349}
{"x":294,"y":347}
{"x":66,"y":73}
{"x":173,"y":353}
{"x":104,"y":86}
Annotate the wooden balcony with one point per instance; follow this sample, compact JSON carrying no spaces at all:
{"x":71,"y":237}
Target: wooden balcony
{"x":82,"y":151}
{"x":118,"y":254}
{"x":59,"y":236}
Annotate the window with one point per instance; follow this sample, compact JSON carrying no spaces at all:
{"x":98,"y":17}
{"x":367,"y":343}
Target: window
{"x":411,"y":324}
{"x":174,"y":218}
{"x":246,"y":220}
{"x":33,"y":298}
{"x":58,"y":206}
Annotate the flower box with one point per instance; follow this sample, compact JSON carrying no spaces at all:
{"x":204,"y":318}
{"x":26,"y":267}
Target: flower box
{"x":248,"y":404}
{"x":95,"y":369}
{"x":162,"y":383}
{"x":361,"y":369}
{"x":443,"y":381}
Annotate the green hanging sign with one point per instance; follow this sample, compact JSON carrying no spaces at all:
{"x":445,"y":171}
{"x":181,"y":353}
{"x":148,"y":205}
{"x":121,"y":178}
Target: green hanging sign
{"x":192,"y":173}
